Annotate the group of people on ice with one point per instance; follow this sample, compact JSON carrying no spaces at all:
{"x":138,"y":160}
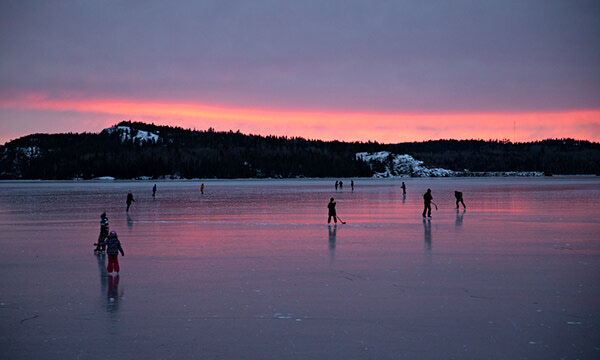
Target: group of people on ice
{"x":109,"y":241}
{"x":427,"y":201}
{"x":340,"y":184}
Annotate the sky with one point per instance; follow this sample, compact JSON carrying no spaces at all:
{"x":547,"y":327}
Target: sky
{"x":386,"y":71}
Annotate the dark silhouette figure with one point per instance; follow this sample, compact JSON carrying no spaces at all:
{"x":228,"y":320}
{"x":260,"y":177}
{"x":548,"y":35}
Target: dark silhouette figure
{"x":403,"y":188}
{"x":352,"y":184}
{"x":337,"y":183}
{"x":341,"y":184}
{"x":459,"y":199}
{"x":129,"y":199}
{"x":202,"y":188}
{"x":427,"y":198}
{"x":331,"y":207}
{"x":103,"y":233}
{"x":154,"y":190}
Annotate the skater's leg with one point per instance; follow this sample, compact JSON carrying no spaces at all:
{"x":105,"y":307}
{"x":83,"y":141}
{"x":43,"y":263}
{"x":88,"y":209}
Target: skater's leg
{"x":110,"y":265}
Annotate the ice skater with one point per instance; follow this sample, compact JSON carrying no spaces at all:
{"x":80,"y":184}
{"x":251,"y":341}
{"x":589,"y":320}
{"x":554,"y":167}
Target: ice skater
{"x":352,"y":184}
{"x":403,"y":188}
{"x":427,"y":198}
{"x":154,"y":191}
{"x":332,"y":213}
{"x":202,"y":188}
{"x":337,"y":183}
{"x":459,"y":199}
{"x":341,"y":184}
{"x":103,"y":233}
{"x":113,"y":247}
{"x":129,"y":199}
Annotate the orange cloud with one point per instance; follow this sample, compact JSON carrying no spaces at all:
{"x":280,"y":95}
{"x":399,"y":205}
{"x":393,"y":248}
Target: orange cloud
{"x":332,"y":125}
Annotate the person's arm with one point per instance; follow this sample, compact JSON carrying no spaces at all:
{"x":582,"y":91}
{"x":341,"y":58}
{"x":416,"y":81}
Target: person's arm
{"x":121,"y":249}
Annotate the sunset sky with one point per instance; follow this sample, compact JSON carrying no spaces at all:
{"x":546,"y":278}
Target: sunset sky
{"x":388,"y":71}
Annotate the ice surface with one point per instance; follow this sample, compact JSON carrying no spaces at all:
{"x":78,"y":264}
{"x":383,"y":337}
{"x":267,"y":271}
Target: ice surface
{"x":251,"y":270}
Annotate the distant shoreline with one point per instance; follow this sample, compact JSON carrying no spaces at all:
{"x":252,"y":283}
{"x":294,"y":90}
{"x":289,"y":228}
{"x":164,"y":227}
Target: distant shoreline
{"x":104,"y":180}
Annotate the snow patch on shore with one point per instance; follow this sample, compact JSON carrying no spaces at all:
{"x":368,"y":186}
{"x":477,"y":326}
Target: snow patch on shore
{"x":126,"y":134}
{"x":386,"y":164}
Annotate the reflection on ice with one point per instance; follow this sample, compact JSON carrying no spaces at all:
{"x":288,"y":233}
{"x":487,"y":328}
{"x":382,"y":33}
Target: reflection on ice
{"x":427,"y":233}
{"x":332,"y":234}
{"x":113,"y":295}
{"x":109,"y":286}
{"x":459,"y":219}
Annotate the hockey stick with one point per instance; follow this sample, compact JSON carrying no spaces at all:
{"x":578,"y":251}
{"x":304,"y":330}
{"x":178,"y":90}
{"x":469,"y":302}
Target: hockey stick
{"x":343,"y":222}
{"x":434,"y":205}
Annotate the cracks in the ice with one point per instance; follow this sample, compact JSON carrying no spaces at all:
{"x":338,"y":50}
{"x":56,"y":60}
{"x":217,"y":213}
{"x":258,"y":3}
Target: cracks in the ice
{"x":29,"y":318}
{"x":351,"y":276}
{"x":477,"y":297}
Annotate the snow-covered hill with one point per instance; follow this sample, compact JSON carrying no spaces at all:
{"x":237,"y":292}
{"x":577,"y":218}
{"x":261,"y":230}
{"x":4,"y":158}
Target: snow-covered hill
{"x":386,"y":164}
{"x":136,"y":135}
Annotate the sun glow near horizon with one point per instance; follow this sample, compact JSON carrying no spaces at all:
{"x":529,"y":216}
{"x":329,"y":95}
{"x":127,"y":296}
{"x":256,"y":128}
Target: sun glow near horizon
{"x":384,"y":127}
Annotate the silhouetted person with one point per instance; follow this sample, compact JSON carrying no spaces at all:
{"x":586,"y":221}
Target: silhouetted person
{"x":459,"y":199}
{"x":331,"y":207}
{"x":129,"y":199}
{"x":103,"y":233}
{"x":154,"y":190}
{"x":202,"y":188}
{"x":341,"y":184}
{"x":352,"y":184}
{"x":403,"y":188}
{"x":427,"y":198}
{"x":337,"y":183}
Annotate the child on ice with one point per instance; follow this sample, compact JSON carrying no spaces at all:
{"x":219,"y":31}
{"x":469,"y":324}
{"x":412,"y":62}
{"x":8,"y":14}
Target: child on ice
{"x":103,"y":233}
{"x":113,"y":247}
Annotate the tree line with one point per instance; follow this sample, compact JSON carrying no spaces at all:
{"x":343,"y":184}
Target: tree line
{"x":190,"y":154}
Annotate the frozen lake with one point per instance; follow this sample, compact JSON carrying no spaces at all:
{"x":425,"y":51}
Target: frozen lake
{"x":251,"y":270}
